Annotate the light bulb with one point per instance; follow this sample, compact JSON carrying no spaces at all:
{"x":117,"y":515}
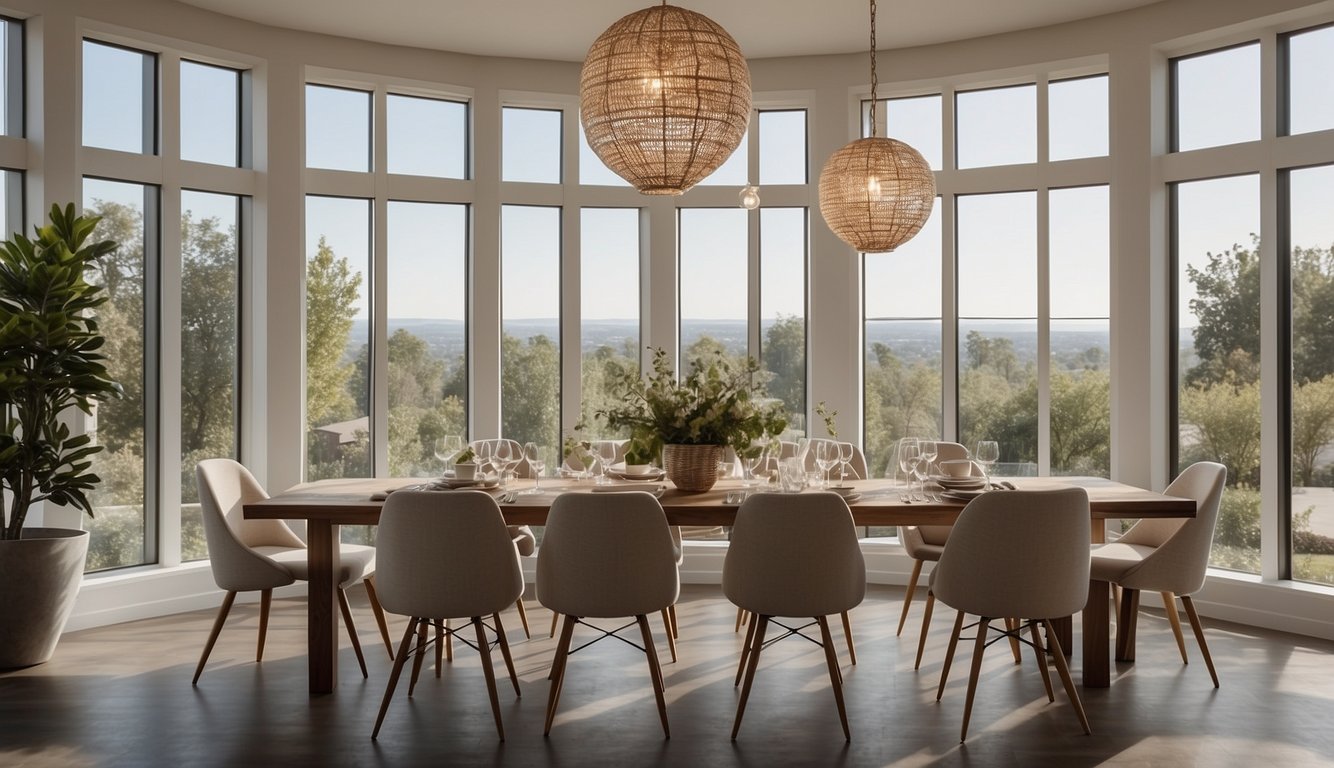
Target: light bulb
{"x":873,"y":186}
{"x":653,"y":85}
{"x":749,"y":197}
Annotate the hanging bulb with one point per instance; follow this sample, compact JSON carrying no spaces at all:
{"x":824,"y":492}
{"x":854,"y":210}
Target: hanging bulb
{"x":749,"y":197}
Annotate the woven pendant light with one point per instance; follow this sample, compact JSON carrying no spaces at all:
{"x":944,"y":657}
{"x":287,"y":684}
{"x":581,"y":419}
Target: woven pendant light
{"x":664,"y":98}
{"x":876,"y":193}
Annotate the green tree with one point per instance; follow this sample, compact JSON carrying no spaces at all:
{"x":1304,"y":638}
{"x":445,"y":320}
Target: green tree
{"x":530,"y":390}
{"x":601,"y":368}
{"x":1312,"y":313}
{"x":1080,"y":425}
{"x":901,"y":400}
{"x":332,"y":289}
{"x":1312,"y":427}
{"x":783,"y":354}
{"x":209,"y":329}
{"x":1227,"y":305}
{"x":1225,"y":421}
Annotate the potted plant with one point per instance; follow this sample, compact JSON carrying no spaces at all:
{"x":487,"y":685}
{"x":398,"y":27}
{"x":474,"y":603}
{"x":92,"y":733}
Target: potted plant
{"x":690,"y":420}
{"x":465,"y":465}
{"x":49,"y":364}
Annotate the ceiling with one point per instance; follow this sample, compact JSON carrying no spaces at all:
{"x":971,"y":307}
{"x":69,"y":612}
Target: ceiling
{"x":563,"y":29}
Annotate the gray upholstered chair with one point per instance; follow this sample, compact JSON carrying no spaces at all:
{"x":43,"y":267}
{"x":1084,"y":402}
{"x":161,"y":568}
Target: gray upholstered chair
{"x":606,"y":555}
{"x":1022,"y":554}
{"x":1168,"y":556}
{"x":260,"y":555}
{"x":442,"y":556}
{"x":793,"y":555}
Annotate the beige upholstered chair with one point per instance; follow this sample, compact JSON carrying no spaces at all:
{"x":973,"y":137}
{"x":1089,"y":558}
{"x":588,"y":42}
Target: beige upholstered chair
{"x":1020,"y":554}
{"x":1165,"y":555}
{"x":793,"y":555}
{"x":924,"y":543}
{"x":606,"y":555}
{"x":857,"y":466}
{"x":446,"y":555}
{"x":249,"y":555}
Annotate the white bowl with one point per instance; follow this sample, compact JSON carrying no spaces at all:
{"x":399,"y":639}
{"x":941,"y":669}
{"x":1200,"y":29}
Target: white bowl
{"x":465,"y":471}
{"x":957,"y":468}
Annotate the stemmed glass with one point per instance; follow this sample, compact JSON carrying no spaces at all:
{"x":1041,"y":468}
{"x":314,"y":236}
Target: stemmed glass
{"x":844,"y":462}
{"x":506,"y":457}
{"x":988,"y":453}
{"x":826,"y":456}
{"x":754,"y":459}
{"x":484,"y":449}
{"x":910,"y":453}
{"x":929,"y":450}
{"x":606,"y":457}
{"x":447,"y":449}
{"x":536,"y":456}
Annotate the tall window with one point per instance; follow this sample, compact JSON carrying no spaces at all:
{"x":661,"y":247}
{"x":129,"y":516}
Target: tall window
{"x":119,"y":98}
{"x":530,"y":359}
{"x":11,"y":83}
{"x":609,"y":307}
{"x":210,"y":268}
{"x":713,"y":245}
{"x":783,"y":309}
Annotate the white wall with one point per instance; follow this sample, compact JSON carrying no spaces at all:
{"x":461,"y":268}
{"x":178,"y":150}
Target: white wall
{"x":1133,"y":45}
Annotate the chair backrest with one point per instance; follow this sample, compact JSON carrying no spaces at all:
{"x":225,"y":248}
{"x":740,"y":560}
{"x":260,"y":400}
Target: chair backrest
{"x":1182,"y":544}
{"x":595,"y":448}
{"x":225,"y":486}
{"x":1018,"y":554}
{"x":606,"y":555}
{"x":521,"y":469}
{"x":794,"y":555}
{"x":445,"y":555}
{"x":934,"y":535}
{"x":858,"y":463}
{"x":786,"y":450}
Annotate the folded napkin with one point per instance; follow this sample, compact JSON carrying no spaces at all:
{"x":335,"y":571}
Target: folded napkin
{"x":621,"y":487}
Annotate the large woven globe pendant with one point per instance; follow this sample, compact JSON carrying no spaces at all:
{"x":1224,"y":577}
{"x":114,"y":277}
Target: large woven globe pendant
{"x":876,"y":193}
{"x":664,"y":98}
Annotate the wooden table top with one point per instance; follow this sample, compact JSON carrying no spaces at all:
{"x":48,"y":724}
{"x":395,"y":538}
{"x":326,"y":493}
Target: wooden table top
{"x":348,"y":502}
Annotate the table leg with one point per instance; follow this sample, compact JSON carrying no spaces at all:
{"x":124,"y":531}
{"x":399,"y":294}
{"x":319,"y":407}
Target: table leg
{"x":322,"y":615}
{"x":1097,"y":667}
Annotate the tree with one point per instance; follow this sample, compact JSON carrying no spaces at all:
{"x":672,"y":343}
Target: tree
{"x":901,"y":400}
{"x":332,"y":290}
{"x":1312,"y":313}
{"x":784,"y":355}
{"x":600,"y":369}
{"x":530,"y":390}
{"x":1312,"y":427}
{"x":1227,"y":305}
{"x":209,"y":329}
{"x":1080,"y":425}
{"x":1225,"y":422}
{"x":996,"y":354}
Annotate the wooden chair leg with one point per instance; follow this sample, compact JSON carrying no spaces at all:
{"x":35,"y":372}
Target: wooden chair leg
{"x":399,"y":660}
{"x":558,"y":671}
{"x":484,"y":647}
{"x":926,"y":625}
{"x":555,"y":619}
{"x":1012,"y":625}
{"x":835,"y":676}
{"x":745,"y":653}
{"x":655,"y":669}
{"x":676,"y":630}
{"x":1199,"y":636}
{"x":908,"y":594}
{"x":221,"y":618}
{"x":740,"y":618}
{"x":523,"y":617}
{"x":667,"y":629}
{"x":351,"y":630}
{"x":1125,"y":624}
{"x":1041,"y":657}
{"x":847,"y":633}
{"x":949,"y":654}
{"x":761,"y":626}
{"x":265,"y":601}
{"x":421,"y":653}
{"x":979,"y":648}
{"x":505,"y":652}
{"x":1116,"y":601}
{"x":440,"y":649}
{"x":378,"y":610}
{"x":1170,"y":607}
{"x":1063,"y":669}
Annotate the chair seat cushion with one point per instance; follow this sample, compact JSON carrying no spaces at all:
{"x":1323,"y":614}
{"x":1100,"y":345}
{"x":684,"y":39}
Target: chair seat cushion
{"x":1111,"y":562}
{"x":356,"y":562}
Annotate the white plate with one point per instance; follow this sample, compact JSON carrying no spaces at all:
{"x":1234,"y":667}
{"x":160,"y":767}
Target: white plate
{"x":479,"y":483}
{"x":846,"y":491}
{"x":957,"y":482}
{"x":962,"y":494}
{"x":656,"y":474}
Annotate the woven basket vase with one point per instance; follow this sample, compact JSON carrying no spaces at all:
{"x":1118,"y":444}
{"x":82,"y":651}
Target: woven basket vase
{"x":692,"y":467}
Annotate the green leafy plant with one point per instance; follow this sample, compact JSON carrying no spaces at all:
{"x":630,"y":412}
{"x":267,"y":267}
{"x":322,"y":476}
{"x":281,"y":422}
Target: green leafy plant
{"x":830,"y":425}
{"x":576,"y":448}
{"x":716,"y":403}
{"x":639,"y":451}
{"x":49,"y":363}
{"x":466,"y":456}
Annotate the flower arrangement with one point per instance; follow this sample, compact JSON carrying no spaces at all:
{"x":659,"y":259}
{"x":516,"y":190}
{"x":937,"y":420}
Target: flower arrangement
{"x":716,"y":403}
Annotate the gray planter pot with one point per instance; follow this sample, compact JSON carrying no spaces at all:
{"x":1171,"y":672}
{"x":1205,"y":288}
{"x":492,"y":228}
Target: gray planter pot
{"x":39,"y":579}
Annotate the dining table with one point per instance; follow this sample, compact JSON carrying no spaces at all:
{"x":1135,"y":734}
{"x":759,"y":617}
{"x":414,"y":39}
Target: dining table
{"x":326,"y":505}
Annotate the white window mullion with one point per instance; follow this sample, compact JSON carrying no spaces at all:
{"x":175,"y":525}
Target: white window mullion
{"x":378,"y":288}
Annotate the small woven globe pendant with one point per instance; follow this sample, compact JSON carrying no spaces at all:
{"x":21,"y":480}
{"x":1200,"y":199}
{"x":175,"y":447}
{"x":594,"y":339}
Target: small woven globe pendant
{"x":876,"y":193}
{"x":664,"y":98}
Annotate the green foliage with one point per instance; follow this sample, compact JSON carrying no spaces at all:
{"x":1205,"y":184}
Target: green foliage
{"x":1312,"y":428}
{"x":830,"y":425}
{"x":901,"y":400}
{"x":51,"y":363}
{"x":1224,"y":423}
{"x":332,"y":290}
{"x":783,"y":355}
{"x":530,"y":390}
{"x":716,"y":403}
{"x":1227,"y":304}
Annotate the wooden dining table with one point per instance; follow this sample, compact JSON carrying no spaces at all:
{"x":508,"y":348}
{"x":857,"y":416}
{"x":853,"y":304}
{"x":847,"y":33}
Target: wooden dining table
{"x":326,"y":505}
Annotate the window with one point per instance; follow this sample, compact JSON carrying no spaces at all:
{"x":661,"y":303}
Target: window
{"x":1310,"y":90}
{"x":732,"y":173}
{"x":210,"y":270}
{"x":1311,"y":431}
{"x":783,"y":146}
{"x":783,"y":309}
{"x":1216,"y":98}
{"x":11,"y":84}
{"x":427,"y":313}
{"x":1217,"y":308}
{"x":530,"y":358}
{"x":119,"y":98}
{"x":338,"y":128}
{"x":530,"y":150}
{"x":591,"y":168}
{"x":427,"y":137}
{"x":338,"y":255}
{"x":123,"y":531}
{"x":996,"y":126}
{"x":609,"y":307}
{"x":915,"y":121}
{"x":1077,"y":118}
{"x":11,"y":202}
{"x":210,"y":114}
{"x":714,"y":273}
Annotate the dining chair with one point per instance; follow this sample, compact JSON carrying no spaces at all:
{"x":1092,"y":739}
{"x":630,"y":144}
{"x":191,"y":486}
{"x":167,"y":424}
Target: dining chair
{"x":604,"y":556}
{"x":1020,"y":554}
{"x":443,"y":556}
{"x":793,"y":555}
{"x":1165,"y":555}
{"x":857,"y":465}
{"x":261,"y":555}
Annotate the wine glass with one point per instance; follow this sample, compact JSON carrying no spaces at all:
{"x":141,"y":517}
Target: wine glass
{"x":447,"y":449}
{"x":536,"y":456}
{"x":909,"y":454}
{"x":845,"y":454}
{"x":753,"y":459}
{"x":506,"y":457}
{"x":483,"y":449}
{"x":987,"y":454}
{"x":928,"y":450}
{"x":606,"y":458}
{"x":826,"y":456}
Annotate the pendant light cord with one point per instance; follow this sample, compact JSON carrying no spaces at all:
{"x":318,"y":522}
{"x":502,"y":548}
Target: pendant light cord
{"x":873,"y":78}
